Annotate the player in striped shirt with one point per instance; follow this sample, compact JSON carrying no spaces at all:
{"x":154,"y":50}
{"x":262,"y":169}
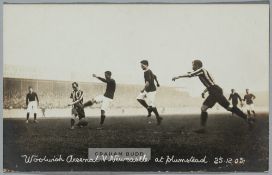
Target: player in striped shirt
{"x":77,"y":106}
{"x":215,"y":94}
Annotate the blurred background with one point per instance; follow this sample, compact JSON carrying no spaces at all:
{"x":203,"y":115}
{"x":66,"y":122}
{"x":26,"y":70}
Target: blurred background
{"x":50,"y":46}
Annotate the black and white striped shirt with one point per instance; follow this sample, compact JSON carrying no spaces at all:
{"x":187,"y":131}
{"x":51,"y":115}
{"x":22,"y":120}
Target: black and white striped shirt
{"x":204,"y":77}
{"x":76,"y":95}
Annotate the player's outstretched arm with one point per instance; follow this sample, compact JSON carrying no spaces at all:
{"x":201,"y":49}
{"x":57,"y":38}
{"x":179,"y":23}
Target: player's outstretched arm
{"x":203,"y":93}
{"x":240,"y":99}
{"x":146,"y":86}
{"x":26,"y":100}
{"x":155,"y":77}
{"x":37,"y":98}
{"x":100,"y":78}
{"x":181,"y":76}
{"x":77,"y":101}
{"x":230,"y":97}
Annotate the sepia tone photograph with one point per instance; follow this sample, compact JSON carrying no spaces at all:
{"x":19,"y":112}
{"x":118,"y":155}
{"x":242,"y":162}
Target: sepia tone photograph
{"x":136,"y":87}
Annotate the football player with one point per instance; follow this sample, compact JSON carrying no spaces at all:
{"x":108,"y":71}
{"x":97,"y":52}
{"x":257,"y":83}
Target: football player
{"x":32,"y":102}
{"x":77,"y":106}
{"x":234,"y":97}
{"x":215,"y":94}
{"x":248,"y":98}
{"x":147,"y":95}
{"x":106,"y":99}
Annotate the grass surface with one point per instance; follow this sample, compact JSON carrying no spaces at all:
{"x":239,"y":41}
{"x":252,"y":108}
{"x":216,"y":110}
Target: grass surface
{"x":228,"y":136}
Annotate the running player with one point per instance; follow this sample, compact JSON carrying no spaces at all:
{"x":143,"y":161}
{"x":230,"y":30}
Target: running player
{"x":105,"y":99}
{"x":147,"y":96}
{"x":144,"y":104}
{"x":234,"y":97}
{"x":77,"y":106}
{"x":32,"y":102}
{"x":215,"y":94}
{"x":248,"y":98}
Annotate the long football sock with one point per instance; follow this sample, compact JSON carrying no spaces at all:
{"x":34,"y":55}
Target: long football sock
{"x":143,"y":103}
{"x":35,"y":116}
{"x":238,"y":112}
{"x":102,"y":119}
{"x":248,"y":112}
{"x":72,"y":122}
{"x":27,"y":116}
{"x":154,"y":109}
{"x":254,"y":114}
{"x":88,"y":103}
{"x":159,"y":119}
{"x":203,"y":118}
{"x":149,"y":110}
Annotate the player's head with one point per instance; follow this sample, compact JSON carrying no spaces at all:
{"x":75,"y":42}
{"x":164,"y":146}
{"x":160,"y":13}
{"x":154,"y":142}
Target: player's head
{"x":75,"y":86}
{"x":144,"y":64}
{"x":30,"y":89}
{"x":232,"y":90}
{"x":247,"y":91}
{"x":196,"y":64}
{"x":108,"y":74}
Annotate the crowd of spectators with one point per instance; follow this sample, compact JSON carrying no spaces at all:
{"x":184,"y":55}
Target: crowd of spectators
{"x":56,"y":94}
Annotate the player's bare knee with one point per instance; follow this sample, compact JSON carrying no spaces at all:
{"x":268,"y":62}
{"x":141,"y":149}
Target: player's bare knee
{"x":229,"y":108}
{"x":204,"y":108}
{"x":139,"y":98}
{"x":153,"y":106}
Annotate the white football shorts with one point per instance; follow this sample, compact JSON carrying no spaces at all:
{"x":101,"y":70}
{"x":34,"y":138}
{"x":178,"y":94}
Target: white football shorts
{"x":149,"y":97}
{"x":32,"y":107}
{"x":104,"y":101}
{"x":250,"y":107}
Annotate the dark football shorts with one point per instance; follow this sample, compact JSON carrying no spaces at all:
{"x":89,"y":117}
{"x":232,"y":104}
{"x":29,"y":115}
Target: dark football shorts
{"x":216,"y":96}
{"x":74,"y":111}
{"x":235,"y":104}
{"x":78,"y":110}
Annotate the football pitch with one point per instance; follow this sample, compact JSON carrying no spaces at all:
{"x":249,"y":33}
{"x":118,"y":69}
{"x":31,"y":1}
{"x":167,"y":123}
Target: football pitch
{"x":228,"y":137}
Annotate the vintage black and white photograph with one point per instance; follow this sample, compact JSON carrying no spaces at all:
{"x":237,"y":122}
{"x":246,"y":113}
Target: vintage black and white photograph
{"x":136,"y":87}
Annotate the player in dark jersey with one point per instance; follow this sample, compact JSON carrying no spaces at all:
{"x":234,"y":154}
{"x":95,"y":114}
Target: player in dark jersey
{"x":143,"y":102}
{"x":147,"y":96}
{"x":234,"y":97}
{"x":32,"y":102}
{"x":248,"y":98}
{"x":149,"y":110}
{"x":106,"y":99}
{"x":77,"y":106}
{"x":215,"y":94}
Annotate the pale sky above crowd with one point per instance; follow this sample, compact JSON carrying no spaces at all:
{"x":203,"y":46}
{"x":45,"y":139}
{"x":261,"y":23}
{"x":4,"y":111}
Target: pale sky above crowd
{"x":75,"y":41}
